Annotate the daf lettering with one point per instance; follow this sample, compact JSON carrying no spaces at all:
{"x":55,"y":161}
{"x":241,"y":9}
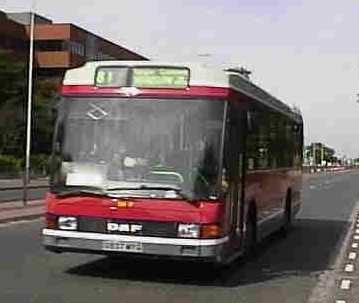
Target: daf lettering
{"x":124,"y":227}
{"x":136,"y":228}
{"x":112,"y":226}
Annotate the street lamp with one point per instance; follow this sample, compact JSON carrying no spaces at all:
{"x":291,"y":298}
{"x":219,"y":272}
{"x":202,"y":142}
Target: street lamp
{"x":29,"y":105}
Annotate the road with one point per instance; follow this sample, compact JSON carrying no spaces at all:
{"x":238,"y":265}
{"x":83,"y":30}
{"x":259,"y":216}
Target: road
{"x":285,"y":270}
{"x":16,"y":194}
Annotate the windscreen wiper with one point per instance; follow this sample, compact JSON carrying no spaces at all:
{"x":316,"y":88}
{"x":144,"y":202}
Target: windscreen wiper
{"x":75,"y":192}
{"x":178,"y":191}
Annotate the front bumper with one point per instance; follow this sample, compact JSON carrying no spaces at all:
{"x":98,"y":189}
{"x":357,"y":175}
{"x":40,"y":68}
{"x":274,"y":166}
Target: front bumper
{"x":74,"y":241}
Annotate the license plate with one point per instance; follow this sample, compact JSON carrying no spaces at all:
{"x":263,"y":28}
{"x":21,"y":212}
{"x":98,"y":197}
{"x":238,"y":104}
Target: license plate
{"x":122,"y":246}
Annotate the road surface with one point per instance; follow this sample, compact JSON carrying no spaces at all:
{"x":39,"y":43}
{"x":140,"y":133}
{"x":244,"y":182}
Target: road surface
{"x":16,"y":194}
{"x":286,"y":269}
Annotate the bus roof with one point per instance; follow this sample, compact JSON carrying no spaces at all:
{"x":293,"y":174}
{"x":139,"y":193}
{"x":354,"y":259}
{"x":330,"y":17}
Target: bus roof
{"x":201,"y":74}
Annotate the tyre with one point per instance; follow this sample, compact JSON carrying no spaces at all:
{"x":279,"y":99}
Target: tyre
{"x":287,"y":219}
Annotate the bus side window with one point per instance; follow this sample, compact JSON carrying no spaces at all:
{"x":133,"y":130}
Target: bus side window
{"x":250,"y":121}
{"x":258,"y":141}
{"x":251,"y":139}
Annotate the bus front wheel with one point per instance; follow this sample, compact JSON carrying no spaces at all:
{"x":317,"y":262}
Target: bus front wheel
{"x":250,"y":234}
{"x":287,"y":219}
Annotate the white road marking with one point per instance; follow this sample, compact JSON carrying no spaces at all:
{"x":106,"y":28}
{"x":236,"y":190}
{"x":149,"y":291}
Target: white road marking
{"x":345,"y":285}
{"x":355,"y":245}
{"x":327,"y":285}
{"x":349,"y":268}
{"x":352,"y":255}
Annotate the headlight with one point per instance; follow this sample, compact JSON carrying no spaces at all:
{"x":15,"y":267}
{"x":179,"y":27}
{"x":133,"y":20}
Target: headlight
{"x":188,"y":230}
{"x":67,"y":223}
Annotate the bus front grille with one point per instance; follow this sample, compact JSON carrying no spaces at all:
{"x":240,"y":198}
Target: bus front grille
{"x":149,"y":228}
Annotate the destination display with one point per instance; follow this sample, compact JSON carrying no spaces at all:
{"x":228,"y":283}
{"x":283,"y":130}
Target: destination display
{"x":160,"y":77}
{"x":143,"y":77}
{"x":112,"y":76}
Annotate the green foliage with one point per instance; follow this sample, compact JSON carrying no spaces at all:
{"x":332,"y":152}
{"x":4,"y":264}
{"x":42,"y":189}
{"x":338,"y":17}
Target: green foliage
{"x":9,"y":165}
{"x":13,"y":105}
{"x":39,"y":164}
{"x":12,"y":100}
{"x":13,"y":166}
{"x":321,"y":152}
{"x":42,"y":126}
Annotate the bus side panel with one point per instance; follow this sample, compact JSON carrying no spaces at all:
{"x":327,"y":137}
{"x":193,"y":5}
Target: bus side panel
{"x":264,"y":189}
{"x":269,"y":189}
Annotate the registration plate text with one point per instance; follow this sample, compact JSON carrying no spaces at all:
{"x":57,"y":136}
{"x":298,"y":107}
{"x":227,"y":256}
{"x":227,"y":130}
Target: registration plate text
{"x":122,"y":246}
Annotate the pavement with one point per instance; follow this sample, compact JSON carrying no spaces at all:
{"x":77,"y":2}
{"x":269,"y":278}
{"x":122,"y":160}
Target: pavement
{"x":16,"y":211}
{"x":12,"y":184}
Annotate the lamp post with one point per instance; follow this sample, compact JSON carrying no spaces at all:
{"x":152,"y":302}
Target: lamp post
{"x":29,"y":106}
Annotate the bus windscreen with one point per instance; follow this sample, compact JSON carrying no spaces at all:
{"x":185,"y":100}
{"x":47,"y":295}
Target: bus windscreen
{"x":139,"y":144}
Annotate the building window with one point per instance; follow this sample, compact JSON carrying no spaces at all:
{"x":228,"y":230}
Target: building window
{"x":11,"y":43}
{"x":50,"y":45}
{"x":102,"y":56}
{"x":77,"y":48}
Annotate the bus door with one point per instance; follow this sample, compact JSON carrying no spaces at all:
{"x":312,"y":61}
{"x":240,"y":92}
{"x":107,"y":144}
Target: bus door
{"x":234,"y":164}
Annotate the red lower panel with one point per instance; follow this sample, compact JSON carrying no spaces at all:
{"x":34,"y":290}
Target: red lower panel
{"x":137,"y":209}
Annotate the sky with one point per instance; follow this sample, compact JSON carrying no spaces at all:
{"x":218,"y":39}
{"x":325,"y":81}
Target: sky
{"x":304,"y":52}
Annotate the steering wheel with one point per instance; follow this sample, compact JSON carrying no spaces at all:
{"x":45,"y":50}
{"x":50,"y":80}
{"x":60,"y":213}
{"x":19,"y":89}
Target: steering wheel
{"x":195,"y":173}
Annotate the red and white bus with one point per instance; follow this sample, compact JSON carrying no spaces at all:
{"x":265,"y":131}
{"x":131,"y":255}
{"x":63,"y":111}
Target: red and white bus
{"x":170,"y":160}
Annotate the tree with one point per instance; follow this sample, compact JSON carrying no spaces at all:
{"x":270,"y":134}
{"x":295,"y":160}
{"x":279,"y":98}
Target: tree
{"x":42,"y":123}
{"x":12,"y":100}
{"x":328,"y":153}
{"x":13,"y":104}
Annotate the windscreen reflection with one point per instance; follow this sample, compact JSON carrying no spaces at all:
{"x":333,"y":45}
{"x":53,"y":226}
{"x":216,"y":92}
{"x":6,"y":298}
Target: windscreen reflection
{"x":138,"y":146}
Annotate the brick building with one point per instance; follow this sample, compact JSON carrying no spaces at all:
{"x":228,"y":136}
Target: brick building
{"x":58,"y":46}
{"x":12,"y":35}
